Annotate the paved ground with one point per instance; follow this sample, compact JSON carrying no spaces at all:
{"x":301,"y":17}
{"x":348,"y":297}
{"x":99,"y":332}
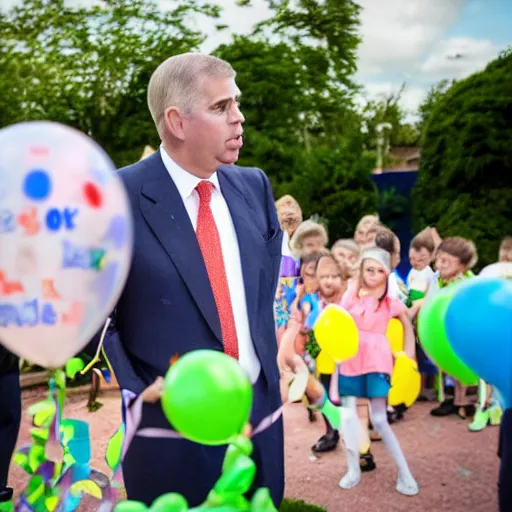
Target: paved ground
{"x":456,"y":469}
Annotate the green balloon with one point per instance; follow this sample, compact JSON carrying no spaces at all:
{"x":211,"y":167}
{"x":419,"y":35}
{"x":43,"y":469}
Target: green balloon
{"x":171,"y":502}
{"x":130,"y":506}
{"x":207,"y":397}
{"x":434,"y":340}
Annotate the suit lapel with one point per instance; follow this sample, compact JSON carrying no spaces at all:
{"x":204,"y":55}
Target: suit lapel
{"x":250,"y":243}
{"x":164,"y":211}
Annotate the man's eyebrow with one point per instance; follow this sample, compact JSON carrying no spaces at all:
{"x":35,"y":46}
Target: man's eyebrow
{"x":223,"y":101}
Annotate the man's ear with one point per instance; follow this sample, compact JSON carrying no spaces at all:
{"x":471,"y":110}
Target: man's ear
{"x":173,"y":120}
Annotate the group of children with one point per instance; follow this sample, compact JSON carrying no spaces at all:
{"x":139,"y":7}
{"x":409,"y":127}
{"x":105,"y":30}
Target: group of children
{"x":360,"y":275}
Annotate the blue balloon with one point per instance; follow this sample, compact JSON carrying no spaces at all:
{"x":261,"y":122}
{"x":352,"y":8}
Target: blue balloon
{"x":314,"y":302}
{"x":479,"y":328}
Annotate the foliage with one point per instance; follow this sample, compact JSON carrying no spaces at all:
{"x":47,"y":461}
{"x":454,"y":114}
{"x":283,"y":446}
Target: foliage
{"x":337,"y":184}
{"x":393,"y":207}
{"x":331,"y":25}
{"x":433,"y":97}
{"x":298,"y":506}
{"x":89,"y":67}
{"x":289,"y":102}
{"x":387,"y":109}
{"x":465,"y":175}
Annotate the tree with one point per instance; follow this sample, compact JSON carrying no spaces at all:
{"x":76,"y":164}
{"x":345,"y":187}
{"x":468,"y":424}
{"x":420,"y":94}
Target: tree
{"x":328,"y":24}
{"x":387,"y":109}
{"x":302,"y":129}
{"x":289,"y":102}
{"x":433,"y":97}
{"x":335,"y":184}
{"x":465,"y":176}
{"x":89,"y":67}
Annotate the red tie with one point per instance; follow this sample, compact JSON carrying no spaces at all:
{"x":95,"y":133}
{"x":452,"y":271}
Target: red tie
{"x":209,"y":242}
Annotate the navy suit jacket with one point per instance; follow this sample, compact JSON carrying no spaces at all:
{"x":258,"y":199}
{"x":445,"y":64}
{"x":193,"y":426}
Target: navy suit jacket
{"x":167,"y":306}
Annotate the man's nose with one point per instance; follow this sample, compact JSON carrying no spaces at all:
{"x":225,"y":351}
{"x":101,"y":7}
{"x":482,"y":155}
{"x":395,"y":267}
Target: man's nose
{"x":237,"y":116}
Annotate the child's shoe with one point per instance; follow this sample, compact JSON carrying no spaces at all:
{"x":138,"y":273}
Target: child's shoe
{"x":480,"y":421}
{"x":495,"y":414}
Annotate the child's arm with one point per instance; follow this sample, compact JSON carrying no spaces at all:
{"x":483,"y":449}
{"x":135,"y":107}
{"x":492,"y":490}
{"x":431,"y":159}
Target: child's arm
{"x":413,"y":311}
{"x":409,"y":340}
{"x":287,"y":358}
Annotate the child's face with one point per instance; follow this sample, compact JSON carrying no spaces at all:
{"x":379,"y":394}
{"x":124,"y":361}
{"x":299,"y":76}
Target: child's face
{"x":449,"y":266}
{"x":365,"y":236}
{"x":395,"y":257}
{"x":374,"y":275}
{"x":329,"y":277}
{"x":505,"y":255}
{"x":311,"y":244}
{"x":419,"y":259}
{"x":289,"y":216}
{"x":308,"y":275}
{"x":344,"y":256}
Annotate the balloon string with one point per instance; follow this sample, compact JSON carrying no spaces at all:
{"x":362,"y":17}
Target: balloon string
{"x":134,"y":415}
{"x":96,"y":357}
{"x":165,"y":433}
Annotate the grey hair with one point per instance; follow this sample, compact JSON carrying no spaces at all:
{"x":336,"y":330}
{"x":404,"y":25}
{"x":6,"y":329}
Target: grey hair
{"x":176,"y":81}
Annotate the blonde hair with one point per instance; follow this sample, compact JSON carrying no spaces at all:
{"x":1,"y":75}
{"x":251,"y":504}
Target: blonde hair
{"x":176,"y":82}
{"x":286,"y":200}
{"x":506,"y":250}
{"x":461,"y":248}
{"x":306,"y":229}
{"x":368,"y":221}
{"x":349,"y":244}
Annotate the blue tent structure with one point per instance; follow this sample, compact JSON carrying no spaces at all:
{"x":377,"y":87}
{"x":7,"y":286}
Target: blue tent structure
{"x":402,"y":182}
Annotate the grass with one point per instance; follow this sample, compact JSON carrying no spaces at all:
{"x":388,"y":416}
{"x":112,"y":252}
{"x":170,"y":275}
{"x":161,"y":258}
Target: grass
{"x":298,"y":506}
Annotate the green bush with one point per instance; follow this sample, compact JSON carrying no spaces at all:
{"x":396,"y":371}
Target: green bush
{"x":465,"y":178}
{"x":299,"y":506}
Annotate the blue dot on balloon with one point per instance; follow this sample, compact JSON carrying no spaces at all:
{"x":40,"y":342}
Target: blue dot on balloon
{"x":37,"y":185}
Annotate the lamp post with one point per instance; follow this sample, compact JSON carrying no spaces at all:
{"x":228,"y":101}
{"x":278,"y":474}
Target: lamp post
{"x":381,"y":140}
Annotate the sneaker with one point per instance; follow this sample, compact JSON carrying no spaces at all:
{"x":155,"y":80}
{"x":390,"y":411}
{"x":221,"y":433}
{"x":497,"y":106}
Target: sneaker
{"x":366,"y":461}
{"x":327,"y":442}
{"x":480,"y":421}
{"x":444,"y":409}
{"x":495,"y":414}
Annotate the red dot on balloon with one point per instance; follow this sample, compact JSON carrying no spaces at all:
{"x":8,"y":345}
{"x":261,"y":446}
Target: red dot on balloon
{"x":93,"y":195}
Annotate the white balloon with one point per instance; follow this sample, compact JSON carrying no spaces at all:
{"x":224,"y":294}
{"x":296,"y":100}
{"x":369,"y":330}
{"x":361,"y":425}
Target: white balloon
{"x":66,"y":239}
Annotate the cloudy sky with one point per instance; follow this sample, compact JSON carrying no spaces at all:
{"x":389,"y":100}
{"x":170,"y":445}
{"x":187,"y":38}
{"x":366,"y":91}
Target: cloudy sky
{"x":417,"y":41}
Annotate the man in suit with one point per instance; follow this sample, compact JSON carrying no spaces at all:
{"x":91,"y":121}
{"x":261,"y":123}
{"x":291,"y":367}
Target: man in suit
{"x":204,"y":272}
{"x":10,"y":417}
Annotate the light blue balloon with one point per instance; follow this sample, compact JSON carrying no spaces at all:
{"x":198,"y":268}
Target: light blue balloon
{"x":479,"y":328}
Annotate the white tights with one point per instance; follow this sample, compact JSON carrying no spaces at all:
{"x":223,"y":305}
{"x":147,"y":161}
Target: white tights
{"x":350,"y":427}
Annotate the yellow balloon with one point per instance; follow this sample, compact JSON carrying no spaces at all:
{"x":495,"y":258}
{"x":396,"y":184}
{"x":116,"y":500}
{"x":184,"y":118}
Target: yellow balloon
{"x":395,"y":335}
{"x":405,"y":382}
{"x":325,"y":364}
{"x":336,"y":333}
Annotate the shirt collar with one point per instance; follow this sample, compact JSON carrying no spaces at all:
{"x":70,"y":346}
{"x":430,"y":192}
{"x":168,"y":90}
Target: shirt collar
{"x":184,"y":181}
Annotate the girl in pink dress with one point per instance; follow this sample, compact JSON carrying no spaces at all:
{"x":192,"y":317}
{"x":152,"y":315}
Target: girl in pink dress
{"x":368,"y":373}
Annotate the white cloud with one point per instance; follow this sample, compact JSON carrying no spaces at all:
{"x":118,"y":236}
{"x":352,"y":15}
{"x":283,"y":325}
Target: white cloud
{"x":240,"y":20}
{"x":396,"y":33}
{"x":458,"y":57}
{"x":410,"y":100}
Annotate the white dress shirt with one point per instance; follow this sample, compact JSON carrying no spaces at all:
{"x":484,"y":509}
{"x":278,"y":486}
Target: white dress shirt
{"x":186,"y":184}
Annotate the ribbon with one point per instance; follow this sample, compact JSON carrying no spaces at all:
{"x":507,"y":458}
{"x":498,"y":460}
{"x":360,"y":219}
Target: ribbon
{"x":289,"y":267}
